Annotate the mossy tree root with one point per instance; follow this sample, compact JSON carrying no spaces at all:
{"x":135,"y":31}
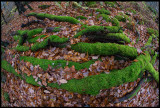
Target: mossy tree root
{"x":93,"y":84}
{"x":54,"y":17}
{"x":43,"y":63}
{"x":105,"y":29}
{"x":52,"y":40}
{"x":115,"y":78}
{"x":105,"y":49}
{"x":116,"y":37}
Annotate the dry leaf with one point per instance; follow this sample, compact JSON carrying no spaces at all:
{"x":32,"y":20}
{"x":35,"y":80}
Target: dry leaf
{"x":46,"y":91}
{"x":95,"y":57}
{"x":63,"y":81}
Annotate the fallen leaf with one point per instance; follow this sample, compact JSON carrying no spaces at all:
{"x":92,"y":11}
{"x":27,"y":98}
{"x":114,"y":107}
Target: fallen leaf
{"x":63,"y":81}
{"x":46,"y":91}
{"x":95,"y":57}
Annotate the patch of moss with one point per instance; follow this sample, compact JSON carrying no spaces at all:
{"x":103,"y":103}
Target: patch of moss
{"x":115,"y":78}
{"x":43,"y":6}
{"x":115,"y":22}
{"x":54,"y":17}
{"x":120,"y":18}
{"x":89,"y":29}
{"x":6,"y":96}
{"x":44,"y":43}
{"x":111,"y":4}
{"x":22,"y":48}
{"x":131,"y":10}
{"x":34,"y":32}
{"x":56,"y":29}
{"x":105,"y":17}
{"x":30,"y":80}
{"x":43,"y":63}
{"x":105,"y":49}
{"x":103,"y":11}
{"x":154,"y":58}
{"x":39,"y":45}
{"x":6,"y":66}
{"x":152,"y":31}
{"x":34,"y":40}
{"x":16,"y":37}
{"x":90,"y":3}
{"x":118,"y":36}
{"x":149,"y":41}
{"x":81,"y":17}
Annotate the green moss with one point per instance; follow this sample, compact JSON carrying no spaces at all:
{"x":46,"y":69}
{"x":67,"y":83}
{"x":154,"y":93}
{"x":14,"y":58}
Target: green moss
{"x":44,"y":43}
{"x":22,"y":48}
{"x":89,"y":84}
{"x":43,"y":63}
{"x":16,"y":37}
{"x":154,"y":59}
{"x":152,"y":31}
{"x":111,"y":4}
{"x":56,"y":29}
{"x":22,"y":32}
{"x":120,"y":18}
{"x":57,"y":39}
{"x":39,"y":45}
{"x":43,"y":6}
{"x":6,"y":96}
{"x":131,"y":10}
{"x":115,"y":22}
{"x":91,"y":3}
{"x":149,"y":41}
{"x":103,"y":11}
{"x":6,"y":66}
{"x":30,"y":80}
{"x":20,"y":41}
{"x":152,"y":71}
{"x":81,"y":17}
{"x":105,"y":17}
{"x":105,"y":49}
{"x":118,"y":36}
{"x":34,"y":32}
{"x":34,"y":40}
{"x":89,"y":29}
{"x":56,"y":18}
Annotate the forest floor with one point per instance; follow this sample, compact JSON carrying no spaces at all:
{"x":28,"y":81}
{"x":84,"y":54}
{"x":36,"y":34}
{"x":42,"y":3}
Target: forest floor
{"x":22,"y":94}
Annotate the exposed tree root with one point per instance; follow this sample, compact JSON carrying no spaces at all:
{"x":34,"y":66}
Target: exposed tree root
{"x":89,"y":84}
{"x":105,"y":49}
{"x":42,"y":16}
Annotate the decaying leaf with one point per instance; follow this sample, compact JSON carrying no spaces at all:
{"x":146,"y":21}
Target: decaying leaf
{"x":63,"y":81}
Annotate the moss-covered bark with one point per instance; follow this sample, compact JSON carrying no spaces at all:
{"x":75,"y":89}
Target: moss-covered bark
{"x":44,"y":63}
{"x":105,"y":49}
{"x":54,"y":17}
{"x":105,"y":17}
{"x":114,"y":37}
{"x":51,"y":39}
{"x":107,"y":29}
{"x":93,"y":84}
{"x":103,"y":11}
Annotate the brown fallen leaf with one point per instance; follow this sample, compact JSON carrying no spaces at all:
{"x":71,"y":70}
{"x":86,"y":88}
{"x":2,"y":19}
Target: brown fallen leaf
{"x":63,"y":81}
